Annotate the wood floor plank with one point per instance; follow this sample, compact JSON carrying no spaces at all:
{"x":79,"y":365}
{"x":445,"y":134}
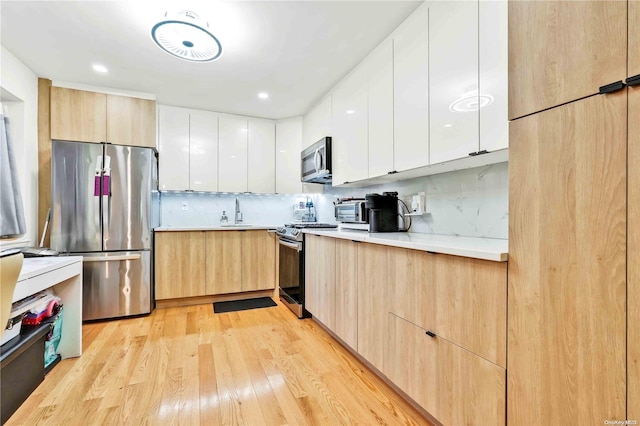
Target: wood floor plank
{"x":191,"y":366}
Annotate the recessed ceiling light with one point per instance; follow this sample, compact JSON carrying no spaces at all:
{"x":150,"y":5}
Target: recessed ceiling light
{"x":350,"y":111}
{"x":100,"y":68}
{"x":448,"y":125}
{"x":263,"y":95}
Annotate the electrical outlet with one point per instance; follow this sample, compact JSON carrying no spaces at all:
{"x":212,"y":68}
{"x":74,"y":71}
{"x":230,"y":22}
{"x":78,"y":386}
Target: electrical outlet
{"x":185,"y":205}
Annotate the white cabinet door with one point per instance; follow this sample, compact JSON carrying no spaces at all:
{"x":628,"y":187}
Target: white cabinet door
{"x":317,"y":123}
{"x":203,"y":135}
{"x":232,"y":159}
{"x":380,"y":79}
{"x":411,"y":91}
{"x":494,"y":52}
{"x":173,"y":136}
{"x":453,"y":80}
{"x":288,"y":141}
{"x":261,"y":155}
{"x":350,"y":128}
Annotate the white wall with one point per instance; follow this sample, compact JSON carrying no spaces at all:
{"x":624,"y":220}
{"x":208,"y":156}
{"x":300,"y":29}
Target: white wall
{"x":20,"y":95}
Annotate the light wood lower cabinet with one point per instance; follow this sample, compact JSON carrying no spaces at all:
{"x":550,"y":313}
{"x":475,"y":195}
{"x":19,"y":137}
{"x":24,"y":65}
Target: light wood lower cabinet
{"x":346,"y":292}
{"x":373,"y":285}
{"x":199,"y":263}
{"x":179,"y":264}
{"x":454,"y":385}
{"x":258,"y":260}
{"x":320,"y":273}
{"x":224,"y":262}
{"x":463,"y":300}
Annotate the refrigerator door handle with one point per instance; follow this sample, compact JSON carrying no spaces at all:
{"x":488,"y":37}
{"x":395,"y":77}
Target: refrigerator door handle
{"x":112,"y":258}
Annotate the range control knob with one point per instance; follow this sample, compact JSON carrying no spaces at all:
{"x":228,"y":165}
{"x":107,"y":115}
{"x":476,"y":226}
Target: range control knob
{"x":295,"y":232}
{"x":280,"y":230}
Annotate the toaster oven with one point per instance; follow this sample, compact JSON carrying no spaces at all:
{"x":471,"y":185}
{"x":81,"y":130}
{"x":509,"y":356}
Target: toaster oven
{"x":351,"y":211}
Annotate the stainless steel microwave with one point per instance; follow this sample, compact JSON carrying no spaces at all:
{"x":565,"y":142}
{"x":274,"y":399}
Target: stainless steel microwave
{"x":316,"y":162}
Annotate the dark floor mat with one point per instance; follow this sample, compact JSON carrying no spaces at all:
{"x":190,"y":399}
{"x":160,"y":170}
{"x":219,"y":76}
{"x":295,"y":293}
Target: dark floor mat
{"x":243,"y":305}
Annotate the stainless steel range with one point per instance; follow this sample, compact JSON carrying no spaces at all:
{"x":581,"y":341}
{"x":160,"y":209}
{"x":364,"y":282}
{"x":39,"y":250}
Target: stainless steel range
{"x":291,"y":265}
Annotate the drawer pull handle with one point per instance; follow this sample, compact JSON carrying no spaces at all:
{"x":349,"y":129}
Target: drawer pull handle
{"x":431,"y":334}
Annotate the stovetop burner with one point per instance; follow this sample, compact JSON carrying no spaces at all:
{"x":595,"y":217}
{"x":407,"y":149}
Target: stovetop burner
{"x":310,"y":225}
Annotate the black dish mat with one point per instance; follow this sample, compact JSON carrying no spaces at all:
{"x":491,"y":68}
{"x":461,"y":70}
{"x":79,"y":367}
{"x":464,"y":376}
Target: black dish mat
{"x":243,"y":305}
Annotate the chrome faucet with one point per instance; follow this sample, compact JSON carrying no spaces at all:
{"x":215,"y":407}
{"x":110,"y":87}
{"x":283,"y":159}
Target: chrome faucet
{"x":238,"y":212}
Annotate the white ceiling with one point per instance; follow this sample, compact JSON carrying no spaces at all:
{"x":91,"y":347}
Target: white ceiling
{"x":294,"y":50}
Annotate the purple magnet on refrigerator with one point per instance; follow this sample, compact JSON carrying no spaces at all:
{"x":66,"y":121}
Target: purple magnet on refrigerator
{"x":96,"y":186}
{"x":106,"y":185}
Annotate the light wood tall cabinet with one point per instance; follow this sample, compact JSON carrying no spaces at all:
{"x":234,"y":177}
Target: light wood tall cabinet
{"x":82,"y":116}
{"x":573,"y":277}
{"x":567,"y":263}
{"x":563,"y":51}
{"x":179,"y":264}
{"x":633,"y":253}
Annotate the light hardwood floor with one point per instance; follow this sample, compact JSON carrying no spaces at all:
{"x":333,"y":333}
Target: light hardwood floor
{"x":191,"y":366}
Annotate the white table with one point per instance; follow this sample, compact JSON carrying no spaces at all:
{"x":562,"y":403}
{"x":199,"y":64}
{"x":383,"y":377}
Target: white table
{"x":64,"y":275}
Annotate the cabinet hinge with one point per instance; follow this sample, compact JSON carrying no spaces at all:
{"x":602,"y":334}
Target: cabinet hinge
{"x":633,"y":81}
{"x":613,"y":87}
{"x":392,"y":172}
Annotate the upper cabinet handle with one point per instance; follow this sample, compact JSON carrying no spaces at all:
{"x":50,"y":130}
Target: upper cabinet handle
{"x":633,"y":81}
{"x":613,"y":87}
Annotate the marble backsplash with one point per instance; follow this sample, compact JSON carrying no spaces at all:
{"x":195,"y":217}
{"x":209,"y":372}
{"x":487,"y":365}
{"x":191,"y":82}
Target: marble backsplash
{"x":472,"y":203}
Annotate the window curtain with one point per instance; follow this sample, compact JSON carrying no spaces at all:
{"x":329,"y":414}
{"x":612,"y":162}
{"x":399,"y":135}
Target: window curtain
{"x":11,"y":208}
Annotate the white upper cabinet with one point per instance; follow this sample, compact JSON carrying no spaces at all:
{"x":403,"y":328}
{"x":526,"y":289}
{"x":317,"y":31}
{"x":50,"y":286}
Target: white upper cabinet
{"x":262,"y":155}
{"x":317,"y":123}
{"x":203,"y":136}
{"x":411,"y":91}
{"x":380,"y":105}
{"x":453,"y":80}
{"x":232,"y":160}
{"x":494,"y":52}
{"x":350,"y":128}
{"x":288,"y":141}
{"x":173,"y":148}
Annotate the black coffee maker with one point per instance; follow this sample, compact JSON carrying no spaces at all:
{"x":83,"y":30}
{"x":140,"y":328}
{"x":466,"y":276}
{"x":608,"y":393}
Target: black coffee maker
{"x":383,"y":212}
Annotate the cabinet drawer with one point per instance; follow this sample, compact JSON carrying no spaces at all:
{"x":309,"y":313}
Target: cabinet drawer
{"x":452,"y":384}
{"x":461,"y":299}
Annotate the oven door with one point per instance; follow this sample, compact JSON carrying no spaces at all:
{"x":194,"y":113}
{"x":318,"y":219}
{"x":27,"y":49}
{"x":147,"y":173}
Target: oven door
{"x":291,"y":275}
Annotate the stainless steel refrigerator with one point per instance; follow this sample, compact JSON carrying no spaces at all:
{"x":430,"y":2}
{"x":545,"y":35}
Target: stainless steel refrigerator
{"x":105,"y":204}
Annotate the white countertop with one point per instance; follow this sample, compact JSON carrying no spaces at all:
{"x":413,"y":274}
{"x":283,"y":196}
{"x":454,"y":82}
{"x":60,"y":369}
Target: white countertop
{"x":34,"y":266}
{"x":213,"y":228}
{"x":479,"y":248}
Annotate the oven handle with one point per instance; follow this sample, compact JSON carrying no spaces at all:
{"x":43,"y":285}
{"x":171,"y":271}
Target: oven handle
{"x":297,"y":246}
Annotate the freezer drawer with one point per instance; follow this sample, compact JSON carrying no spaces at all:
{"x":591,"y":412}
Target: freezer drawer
{"x":116,"y":284}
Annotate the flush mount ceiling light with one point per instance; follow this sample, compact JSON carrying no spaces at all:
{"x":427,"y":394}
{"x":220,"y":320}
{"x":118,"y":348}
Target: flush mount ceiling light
{"x":470,"y":102}
{"x":186,"y":36}
{"x":263,"y":95}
